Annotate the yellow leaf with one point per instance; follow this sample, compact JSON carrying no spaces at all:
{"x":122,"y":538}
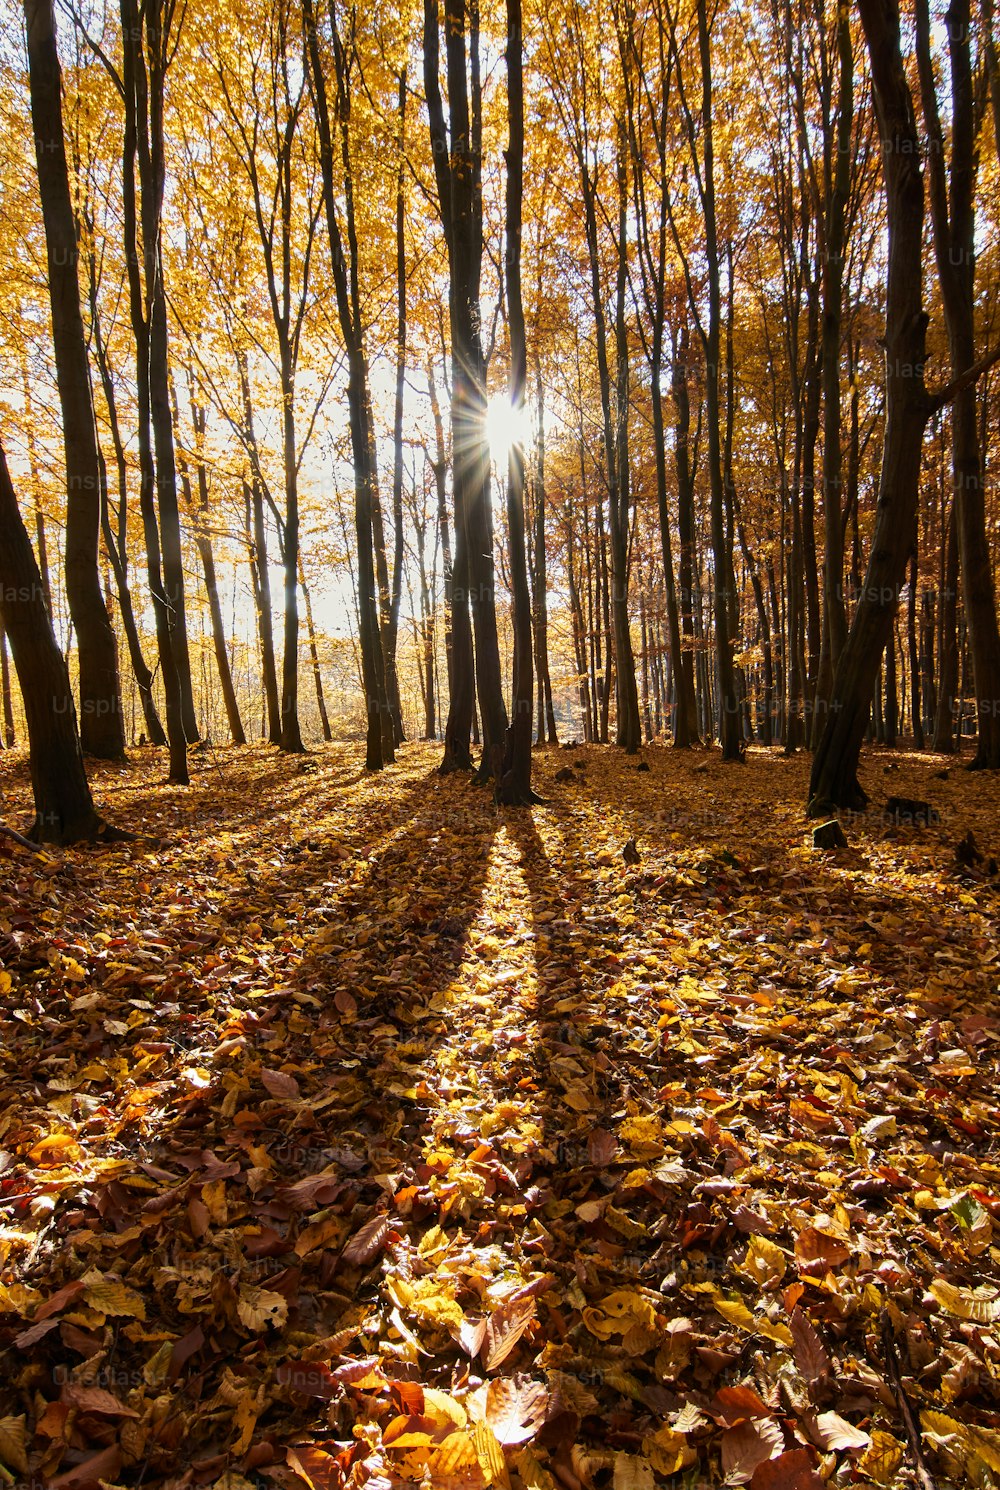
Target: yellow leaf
{"x":533,"y":1476}
{"x":490,"y":1456}
{"x":442,"y":1409}
{"x":258,"y":1307}
{"x":619,"y":1313}
{"x":765,"y":1262}
{"x":983,"y":1306}
{"x":326,"y":1233}
{"x":453,"y":1456}
{"x":110,"y":1297}
{"x":633,"y":1473}
{"x":881,"y":1458}
{"x":736,"y":1313}
{"x":643,"y":1136}
{"x":14,"y":1443}
{"x":17,"y":1298}
{"x":669,"y":1451}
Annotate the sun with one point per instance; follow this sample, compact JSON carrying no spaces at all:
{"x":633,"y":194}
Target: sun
{"x":505,"y":428}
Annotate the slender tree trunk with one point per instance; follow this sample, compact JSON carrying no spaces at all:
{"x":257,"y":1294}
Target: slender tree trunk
{"x":392,"y":626}
{"x":9,"y":735}
{"x":380,"y":731}
{"x":724,"y":583}
{"x":546,"y":714}
{"x":684,"y":468}
{"x":136,"y":157}
{"x":291,"y":733}
{"x":199,"y":514}
{"x":944,"y":721}
{"x":928,"y":692}
{"x":834,"y":611}
{"x":917,"y":727}
{"x":314,"y":656}
{"x":457,"y":152}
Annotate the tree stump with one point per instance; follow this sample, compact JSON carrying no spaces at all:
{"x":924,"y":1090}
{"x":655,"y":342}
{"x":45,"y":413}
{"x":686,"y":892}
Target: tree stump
{"x":829,"y":835}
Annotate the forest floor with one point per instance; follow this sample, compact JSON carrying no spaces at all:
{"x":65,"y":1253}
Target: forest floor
{"x":358,"y":1133}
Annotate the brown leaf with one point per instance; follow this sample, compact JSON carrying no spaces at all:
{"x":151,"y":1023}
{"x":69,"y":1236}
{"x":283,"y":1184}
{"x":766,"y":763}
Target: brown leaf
{"x":60,"y":1299}
{"x":35,"y":1332}
{"x":515,"y":1408}
{"x":504,"y":1329}
{"x":732,"y":1405}
{"x":811,"y":1355}
{"x":367,"y":1243}
{"x":95,"y":1399}
{"x":279,"y":1084}
{"x":817,"y":1252}
{"x":98,"y":1467}
{"x":749,"y":1445}
{"x":792,"y":1470}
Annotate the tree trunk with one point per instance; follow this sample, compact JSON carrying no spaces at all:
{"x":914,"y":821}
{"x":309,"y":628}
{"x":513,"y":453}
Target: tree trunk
{"x":101,"y":724}
{"x":546,"y":713}
{"x":392,"y":626}
{"x":944,"y":719}
{"x":314,"y":656}
{"x":913,"y":654}
{"x":834,"y":780}
{"x":834,"y":632}
{"x":514,"y":786}
{"x":9,"y":736}
{"x":199,"y":515}
{"x":380,"y":734}
{"x":952,"y":198}
{"x":136,"y":155}
{"x":457,"y":152}
{"x":724,"y":583}
{"x":683,"y":465}
{"x":64,"y":808}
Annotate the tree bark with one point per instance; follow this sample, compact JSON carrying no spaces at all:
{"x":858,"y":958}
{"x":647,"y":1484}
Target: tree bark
{"x":64,"y":808}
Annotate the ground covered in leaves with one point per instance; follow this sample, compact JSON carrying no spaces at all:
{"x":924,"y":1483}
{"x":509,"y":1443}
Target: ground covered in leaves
{"x":355,"y":1133}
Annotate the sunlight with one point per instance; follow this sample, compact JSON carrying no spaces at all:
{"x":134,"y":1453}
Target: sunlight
{"x":505,"y":428}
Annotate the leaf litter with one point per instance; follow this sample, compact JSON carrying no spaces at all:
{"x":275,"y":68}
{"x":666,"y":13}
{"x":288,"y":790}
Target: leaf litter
{"x":356,"y":1134}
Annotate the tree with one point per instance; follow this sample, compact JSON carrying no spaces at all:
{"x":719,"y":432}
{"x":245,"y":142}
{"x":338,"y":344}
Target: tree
{"x":908,"y":406}
{"x":457,"y":152}
{"x":951,"y":172}
{"x":102,"y":729}
{"x":514,"y":786}
{"x":64,"y":808}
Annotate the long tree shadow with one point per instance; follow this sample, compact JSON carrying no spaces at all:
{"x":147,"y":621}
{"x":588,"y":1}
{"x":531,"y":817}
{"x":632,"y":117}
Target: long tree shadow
{"x":382,"y":916}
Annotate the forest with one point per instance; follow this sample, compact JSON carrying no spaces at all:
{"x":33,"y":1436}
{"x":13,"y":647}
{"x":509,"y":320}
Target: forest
{"x":500,"y":713}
